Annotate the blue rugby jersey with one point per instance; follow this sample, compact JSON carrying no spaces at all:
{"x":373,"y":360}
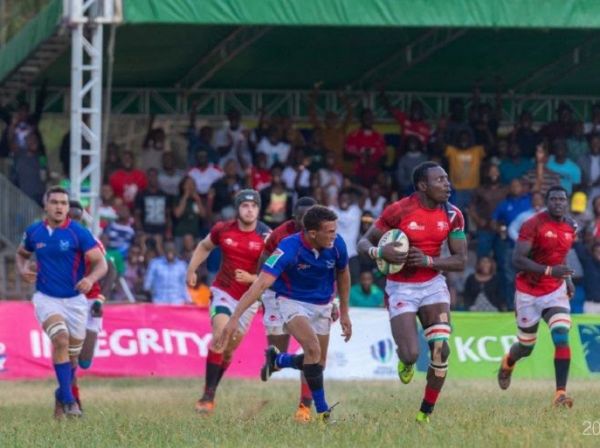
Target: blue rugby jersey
{"x":303,"y":273}
{"x":60,"y":256}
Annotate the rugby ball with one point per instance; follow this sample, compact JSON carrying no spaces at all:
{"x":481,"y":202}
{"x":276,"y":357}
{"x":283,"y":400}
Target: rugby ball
{"x":391,"y":236}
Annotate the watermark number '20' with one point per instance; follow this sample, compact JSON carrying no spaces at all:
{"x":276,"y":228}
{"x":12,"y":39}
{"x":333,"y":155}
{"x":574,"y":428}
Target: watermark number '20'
{"x":591,"y":428}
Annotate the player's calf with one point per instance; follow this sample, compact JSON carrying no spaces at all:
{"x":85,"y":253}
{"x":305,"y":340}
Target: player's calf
{"x":437,"y":336}
{"x":560,"y":324}
{"x":526,"y":339}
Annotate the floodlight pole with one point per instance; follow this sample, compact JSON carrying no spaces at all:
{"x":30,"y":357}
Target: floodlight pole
{"x":86,"y":18}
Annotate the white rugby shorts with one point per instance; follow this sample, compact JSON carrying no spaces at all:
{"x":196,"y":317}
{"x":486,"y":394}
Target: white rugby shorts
{"x":272,"y":319}
{"x":73,"y":310}
{"x":404,"y":297}
{"x":319,"y":316}
{"x":529,"y":308}
{"x":220,"y":299}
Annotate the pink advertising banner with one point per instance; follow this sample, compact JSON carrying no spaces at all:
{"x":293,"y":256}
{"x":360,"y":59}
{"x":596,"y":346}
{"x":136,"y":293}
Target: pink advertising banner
{"x":137,"y":340}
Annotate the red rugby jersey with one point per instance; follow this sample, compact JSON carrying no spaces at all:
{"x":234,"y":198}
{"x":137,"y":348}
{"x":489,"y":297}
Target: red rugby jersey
{"x":239,"y":250}
{"x":94,"y":292}
{"x":282,"y":231}
{"x":550,"y":242}
{"x":426,"y":229}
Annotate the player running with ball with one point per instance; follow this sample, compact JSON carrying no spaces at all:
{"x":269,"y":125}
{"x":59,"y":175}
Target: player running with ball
{"x":543,"y":289}
{"x":419,"y":289}
{"x":303,"y":272}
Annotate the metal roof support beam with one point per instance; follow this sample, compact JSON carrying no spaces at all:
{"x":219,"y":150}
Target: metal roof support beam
{"x":240,"y":39}
{"x":412,"y":54}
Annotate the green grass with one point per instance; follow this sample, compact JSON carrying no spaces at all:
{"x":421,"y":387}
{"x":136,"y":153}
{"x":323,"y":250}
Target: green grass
{"x":159,"y":413}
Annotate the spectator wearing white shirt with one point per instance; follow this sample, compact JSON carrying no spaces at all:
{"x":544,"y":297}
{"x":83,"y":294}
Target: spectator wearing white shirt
{"x":204,"y":174}
{"x":169,"y":177}
{"x":165,"y":279}
{"x":231,"y":142}
{"x":348,"y":227}
{"x":275,"y":149}
{"x":537,"y":204}
{"x":330,"y":179}
{"x":375,"y":201}
{"x":296,"y":176}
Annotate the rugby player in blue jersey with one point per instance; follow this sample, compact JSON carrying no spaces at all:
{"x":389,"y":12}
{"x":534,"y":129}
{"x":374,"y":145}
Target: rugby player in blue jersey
{"x":62,"y":248}
{"x":303,"y":272}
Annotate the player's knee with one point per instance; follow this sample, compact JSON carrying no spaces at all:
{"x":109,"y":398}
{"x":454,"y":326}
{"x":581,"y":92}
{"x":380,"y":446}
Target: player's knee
{"x":58,"y":333}
{"x":408,"y":355}
{"x":437,"y":336}
{"x":560,"y":324}
{"x":60,"y":341}
{"x":526,"y":342}
{"x":75,"y":349}
{"x":312,"y":351}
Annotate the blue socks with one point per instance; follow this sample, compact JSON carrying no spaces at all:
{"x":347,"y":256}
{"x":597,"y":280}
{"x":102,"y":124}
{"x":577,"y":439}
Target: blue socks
{"x":64,"y":375}
{"x":285,"y":360}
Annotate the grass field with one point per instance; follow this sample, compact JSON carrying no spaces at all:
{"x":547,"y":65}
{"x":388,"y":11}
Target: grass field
{"x":159,"y":413}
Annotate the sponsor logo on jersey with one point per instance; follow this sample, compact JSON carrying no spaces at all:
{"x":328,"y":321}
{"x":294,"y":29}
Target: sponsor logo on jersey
{"x":40,"y":245}
{"x":442,"y":226}
{"x":64,"y":245}
{"x":229,"y":242}
{"x":303,"y":266}
{"x":414,"y":226}
{"x":330,"y":264}
{"x":276,"y":255}
{"x":550,"y":234}
{"x":568,"y":236}
{"x":254,"y":245}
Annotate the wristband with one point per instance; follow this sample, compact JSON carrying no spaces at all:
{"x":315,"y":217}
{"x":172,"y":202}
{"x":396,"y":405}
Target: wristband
{"x":548,"y":270}
{"x":376,"y":252}
{"x":428,"y":261}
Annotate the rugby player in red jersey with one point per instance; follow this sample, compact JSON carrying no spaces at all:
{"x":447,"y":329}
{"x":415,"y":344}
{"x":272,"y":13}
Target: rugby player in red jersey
{"x":419,"y":289}
{"x":543,"y":289}
{"x":277,"y":334}
{"x":241,"y":241}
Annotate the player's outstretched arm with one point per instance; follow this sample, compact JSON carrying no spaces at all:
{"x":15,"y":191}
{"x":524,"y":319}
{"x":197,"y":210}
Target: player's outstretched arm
{"x":522,"y":262}
{"x":343,"y":287}
{"x":201,"y":253}
{"x":367,"y":247}
{"x":22,"y":259}
{"x":255,"y":291}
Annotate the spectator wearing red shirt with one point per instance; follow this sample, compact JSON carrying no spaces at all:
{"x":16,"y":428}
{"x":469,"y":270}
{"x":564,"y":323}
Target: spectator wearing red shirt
{"x":128,"y":181}
{"x":259,"y":174}
{"x":367,"y":146}
{"x":411,"y":124}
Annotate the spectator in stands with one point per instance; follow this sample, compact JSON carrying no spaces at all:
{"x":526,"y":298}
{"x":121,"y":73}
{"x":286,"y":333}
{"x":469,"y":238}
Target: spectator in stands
{"x":165,"y":279}
{"x":153,"y":211}
{"x":107,"y":209}
{"x":365,"y":293}
{"x":334,"y":131}
{"x":189,"y":212}
{"x":30,"y":171}
{"x":525,"y":136}
{"x":115,"y":271}
{"x":260,"y":176}
{"x":261,"y":130}
{"x":204,"y":173}
{"x":483,"y":120}
{"x":593,"y":127}
{"x":455,"y":124}
{"x":133,"y":274}
{"x":315,"y":151}
{"x":412,"y":157}
{"x":154,"y":146}
{"x":569,"y":171}
{"x":590,"y":167}
{"x":374,"y":202}
{"x":128,"y":181}
{"x":201,"y":139}
{"x":482,"y":289}
{"x":577,"y":144}
{"x":464,"y":161}
{"x":348,"y":227}
{"x":289,"y":133}
{"x":579,"y":212}
{"x":276,"y":200}
{"x":120,"y":233}
{"x":367,"y":147}
{"x":112,"y":163}
{"x":412,"y":124}
{"x":593,"y":233}
{"x":590,"y":261}
{"x":276,"y":150}
{"x":231,"y":142}
{"x":222,"y":192}
{"x":562,"y":128}
{"x":537,"y":205}
{"x":330,"y":179}
{"x":296,"y":175}
{"x":169,"y":176}
{"x":541,"y":178}
{"x":485,"y":200}
{"x":515,"y":166}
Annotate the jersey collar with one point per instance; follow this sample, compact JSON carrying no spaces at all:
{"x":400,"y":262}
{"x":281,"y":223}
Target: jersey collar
{"x":307,"y":245}
{"x":64,"y":225}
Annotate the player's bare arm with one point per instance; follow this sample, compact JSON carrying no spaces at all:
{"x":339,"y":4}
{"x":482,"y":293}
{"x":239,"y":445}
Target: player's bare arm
{"x":201,"y":253}
{"x":456,"y":262}
{"x":244,"y":276}
{"x":98,"y":269}
{"x":343,"y":287}
{"x":522,"y":262}
{"x":23,"y":265}
{"x":262,"y":283}
{"x":367,"y":246}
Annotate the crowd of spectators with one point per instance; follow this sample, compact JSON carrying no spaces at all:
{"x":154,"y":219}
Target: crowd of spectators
{"x":156,"y":205}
